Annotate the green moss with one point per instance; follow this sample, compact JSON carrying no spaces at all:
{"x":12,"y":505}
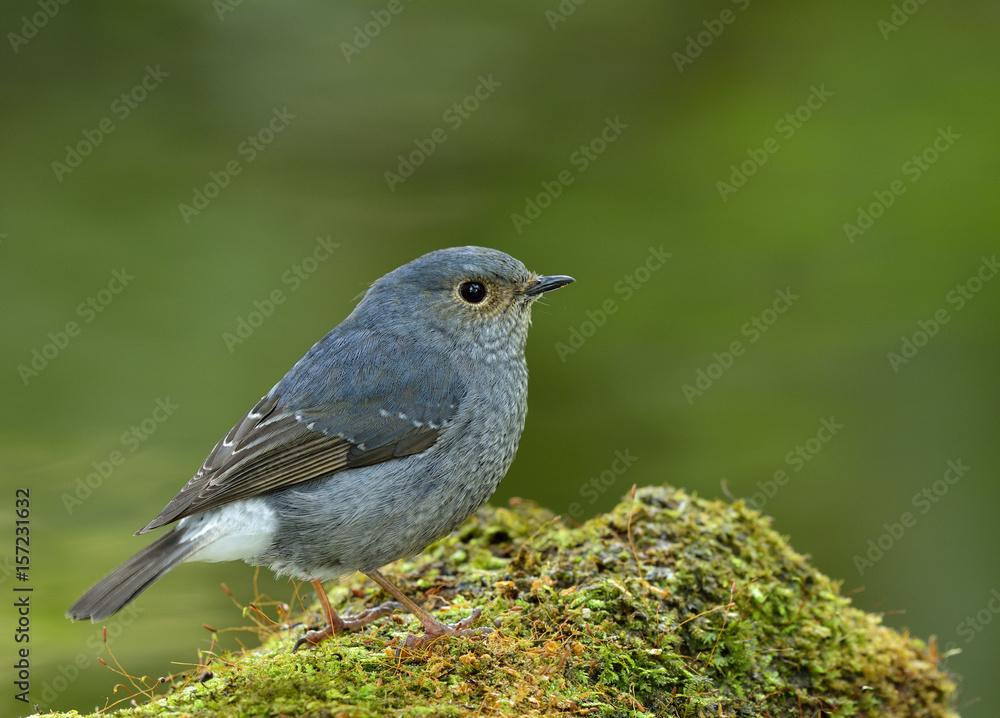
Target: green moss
{"x":670,"y":605}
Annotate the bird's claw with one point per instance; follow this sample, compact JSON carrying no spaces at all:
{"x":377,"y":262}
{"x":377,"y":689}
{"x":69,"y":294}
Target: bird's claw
{"x":438,"y":630}
{"x":313,"y":638}
{"x":347,"y":623}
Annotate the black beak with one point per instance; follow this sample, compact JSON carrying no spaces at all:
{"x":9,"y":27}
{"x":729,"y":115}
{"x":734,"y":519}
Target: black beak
{"x":547,"y":284}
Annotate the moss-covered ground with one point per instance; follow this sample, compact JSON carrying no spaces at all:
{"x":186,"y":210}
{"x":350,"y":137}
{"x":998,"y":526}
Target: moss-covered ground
{"x":670,"y":605}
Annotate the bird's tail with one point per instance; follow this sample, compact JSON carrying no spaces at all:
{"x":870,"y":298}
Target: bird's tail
{"x":121,"y":586}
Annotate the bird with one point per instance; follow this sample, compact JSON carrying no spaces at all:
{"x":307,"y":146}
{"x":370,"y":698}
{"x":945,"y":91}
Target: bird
{"x":389,"y":433}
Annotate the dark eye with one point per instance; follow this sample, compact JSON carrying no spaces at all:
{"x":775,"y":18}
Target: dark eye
{"x":473,"y":292}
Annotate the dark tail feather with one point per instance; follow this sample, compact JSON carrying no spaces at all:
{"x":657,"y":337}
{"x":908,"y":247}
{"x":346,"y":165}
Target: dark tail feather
{"x":121,"y":586}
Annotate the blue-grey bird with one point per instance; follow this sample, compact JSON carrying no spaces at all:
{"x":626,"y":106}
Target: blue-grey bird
{"x":387,"y":435}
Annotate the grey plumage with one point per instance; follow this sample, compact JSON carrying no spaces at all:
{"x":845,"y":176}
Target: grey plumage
{"x":121,"y":586}
{"x":389,"y":433}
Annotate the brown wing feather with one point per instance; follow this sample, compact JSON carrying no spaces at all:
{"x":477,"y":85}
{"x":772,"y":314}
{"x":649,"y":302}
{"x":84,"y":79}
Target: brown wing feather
{"x":269,"y":450}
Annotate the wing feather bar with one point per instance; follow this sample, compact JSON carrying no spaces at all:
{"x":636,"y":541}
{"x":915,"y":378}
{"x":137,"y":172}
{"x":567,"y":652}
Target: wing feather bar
{"x":279,"y":469}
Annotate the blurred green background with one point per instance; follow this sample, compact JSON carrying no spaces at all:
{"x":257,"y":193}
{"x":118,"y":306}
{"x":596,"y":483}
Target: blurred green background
{"x":813,"y":110}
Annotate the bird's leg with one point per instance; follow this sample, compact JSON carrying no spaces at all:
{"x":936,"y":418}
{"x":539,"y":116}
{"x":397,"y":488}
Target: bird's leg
{"x":336,"y":624}
{"x":433,"y":628}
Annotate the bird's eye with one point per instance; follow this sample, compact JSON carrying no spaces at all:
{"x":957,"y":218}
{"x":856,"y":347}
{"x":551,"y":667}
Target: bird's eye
{"x":473,"y":292}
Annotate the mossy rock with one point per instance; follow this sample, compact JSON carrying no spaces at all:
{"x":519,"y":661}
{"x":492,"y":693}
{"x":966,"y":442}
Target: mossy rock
{"x":670,"y":605}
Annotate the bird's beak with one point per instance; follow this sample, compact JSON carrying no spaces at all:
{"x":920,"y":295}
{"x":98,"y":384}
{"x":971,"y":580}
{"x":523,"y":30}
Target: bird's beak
{"x":547,"y":284}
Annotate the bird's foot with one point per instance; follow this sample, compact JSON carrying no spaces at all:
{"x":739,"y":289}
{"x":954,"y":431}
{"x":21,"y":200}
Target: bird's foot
{"x":435,"y":630}
{"x":340,"y":624}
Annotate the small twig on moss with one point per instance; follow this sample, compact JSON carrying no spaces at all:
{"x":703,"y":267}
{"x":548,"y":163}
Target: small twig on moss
{"x":638,"y":564}
{"x":725,"y":620}
{"x":137,"y":683}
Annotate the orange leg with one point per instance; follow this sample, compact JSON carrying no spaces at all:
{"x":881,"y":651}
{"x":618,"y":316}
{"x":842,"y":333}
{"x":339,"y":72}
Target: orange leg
{"x":336,"y":624}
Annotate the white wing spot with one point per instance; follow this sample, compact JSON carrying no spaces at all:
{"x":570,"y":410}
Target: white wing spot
{"x":273,"y":418}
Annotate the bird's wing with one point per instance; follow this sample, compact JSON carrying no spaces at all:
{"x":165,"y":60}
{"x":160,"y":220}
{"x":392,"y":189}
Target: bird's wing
{"x":320,"y":420}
